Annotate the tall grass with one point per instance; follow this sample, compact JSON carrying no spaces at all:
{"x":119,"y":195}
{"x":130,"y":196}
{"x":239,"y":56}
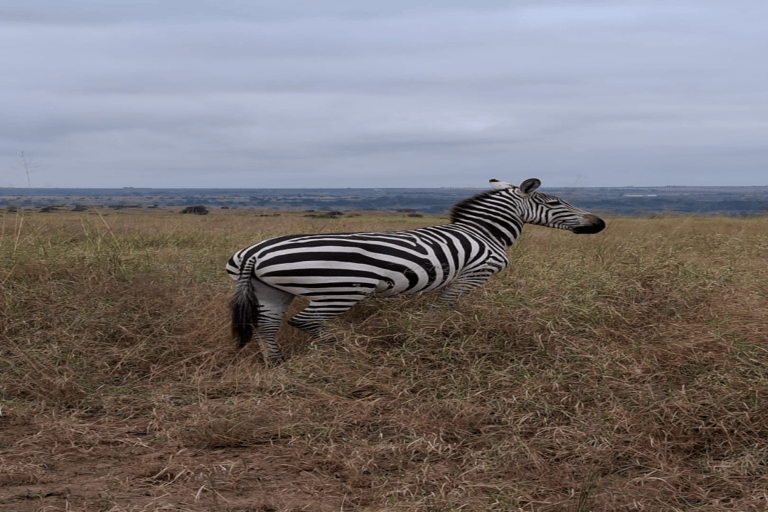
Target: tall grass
{"x":620,"y":371}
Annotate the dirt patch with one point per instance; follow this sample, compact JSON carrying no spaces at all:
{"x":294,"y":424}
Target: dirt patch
{"x":126,"y":470}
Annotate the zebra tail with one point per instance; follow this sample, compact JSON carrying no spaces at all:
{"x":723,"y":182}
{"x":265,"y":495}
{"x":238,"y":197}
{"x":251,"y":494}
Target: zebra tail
{"x":245,"y":307}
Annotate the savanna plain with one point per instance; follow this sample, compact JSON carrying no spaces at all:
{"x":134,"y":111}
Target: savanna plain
{"x":622,"y":371}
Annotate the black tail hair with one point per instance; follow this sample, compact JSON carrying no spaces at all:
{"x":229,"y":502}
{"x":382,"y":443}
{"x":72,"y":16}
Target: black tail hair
{"x":245,"y":307}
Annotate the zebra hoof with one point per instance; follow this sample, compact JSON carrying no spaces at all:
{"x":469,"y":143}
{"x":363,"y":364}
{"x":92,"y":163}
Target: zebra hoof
{"x":326,"y":339}
{"x":276,"y":359}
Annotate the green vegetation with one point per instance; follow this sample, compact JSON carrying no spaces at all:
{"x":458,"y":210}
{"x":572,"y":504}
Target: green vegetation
{"x":621,"y":371}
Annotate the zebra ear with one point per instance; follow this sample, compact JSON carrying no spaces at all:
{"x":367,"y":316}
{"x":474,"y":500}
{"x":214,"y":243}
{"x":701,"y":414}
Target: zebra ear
{"x":500,"y":185}
{"x":529,"y":185}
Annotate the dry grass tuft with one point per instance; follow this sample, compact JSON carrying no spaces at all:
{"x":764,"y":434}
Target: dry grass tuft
{"x":622,"y":371}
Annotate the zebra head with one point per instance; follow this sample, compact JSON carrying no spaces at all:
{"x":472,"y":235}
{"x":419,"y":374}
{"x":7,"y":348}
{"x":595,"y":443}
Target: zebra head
{"x":550,"y":211}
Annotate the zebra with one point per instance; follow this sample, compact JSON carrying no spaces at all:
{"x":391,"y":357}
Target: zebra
{"x":336,"y":271}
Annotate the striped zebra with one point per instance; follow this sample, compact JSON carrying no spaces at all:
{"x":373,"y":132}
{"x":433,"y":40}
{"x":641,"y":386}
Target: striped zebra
{"x":336,"y":271}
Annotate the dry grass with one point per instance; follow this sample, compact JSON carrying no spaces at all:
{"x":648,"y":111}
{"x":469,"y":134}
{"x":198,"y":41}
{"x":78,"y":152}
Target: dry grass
{"x":622,"y":371}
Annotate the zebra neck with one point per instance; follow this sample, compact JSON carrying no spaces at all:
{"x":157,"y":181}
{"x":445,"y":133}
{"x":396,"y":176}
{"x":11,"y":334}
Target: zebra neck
{"x":503,"y":234}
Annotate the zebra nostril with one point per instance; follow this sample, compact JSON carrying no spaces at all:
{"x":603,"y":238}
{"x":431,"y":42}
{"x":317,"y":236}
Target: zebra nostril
{"x":596,"y":225}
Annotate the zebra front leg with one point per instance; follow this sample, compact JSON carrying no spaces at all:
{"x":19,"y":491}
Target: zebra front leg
{"x":436,"y":315}
{"x":315,"y":316}
{"x":451,"y":293}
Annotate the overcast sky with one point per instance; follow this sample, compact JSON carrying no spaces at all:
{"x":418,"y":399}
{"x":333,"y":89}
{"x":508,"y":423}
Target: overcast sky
{"x":355,"y":93}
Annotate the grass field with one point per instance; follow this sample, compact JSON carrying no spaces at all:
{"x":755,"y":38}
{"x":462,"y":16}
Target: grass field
{"x":621,"y":371}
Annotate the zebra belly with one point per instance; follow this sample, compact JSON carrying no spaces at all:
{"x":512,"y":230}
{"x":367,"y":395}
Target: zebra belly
{"x":387,"y":288}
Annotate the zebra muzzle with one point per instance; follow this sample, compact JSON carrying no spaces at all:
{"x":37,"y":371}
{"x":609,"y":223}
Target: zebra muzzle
{"x":594,"y":225}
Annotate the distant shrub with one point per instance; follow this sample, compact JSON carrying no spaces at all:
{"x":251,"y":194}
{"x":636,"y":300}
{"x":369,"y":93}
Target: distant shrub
{"x":198,"y":210}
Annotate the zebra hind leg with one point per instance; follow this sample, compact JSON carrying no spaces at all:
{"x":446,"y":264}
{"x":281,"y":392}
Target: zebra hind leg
{"x":272,"y":306}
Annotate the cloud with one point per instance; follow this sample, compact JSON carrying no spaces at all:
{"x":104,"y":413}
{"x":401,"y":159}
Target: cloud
{"x":397,"y":94}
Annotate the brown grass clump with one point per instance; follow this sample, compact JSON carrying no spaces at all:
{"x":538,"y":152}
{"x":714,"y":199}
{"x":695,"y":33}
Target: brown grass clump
{"x":622,"y":371}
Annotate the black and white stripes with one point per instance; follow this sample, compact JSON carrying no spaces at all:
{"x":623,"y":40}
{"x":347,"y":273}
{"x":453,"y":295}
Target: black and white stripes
{"x":336,"y":271}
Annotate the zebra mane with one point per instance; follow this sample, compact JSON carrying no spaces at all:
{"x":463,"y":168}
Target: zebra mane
{"x":503,"y":227}
{"x":468,"y":204}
